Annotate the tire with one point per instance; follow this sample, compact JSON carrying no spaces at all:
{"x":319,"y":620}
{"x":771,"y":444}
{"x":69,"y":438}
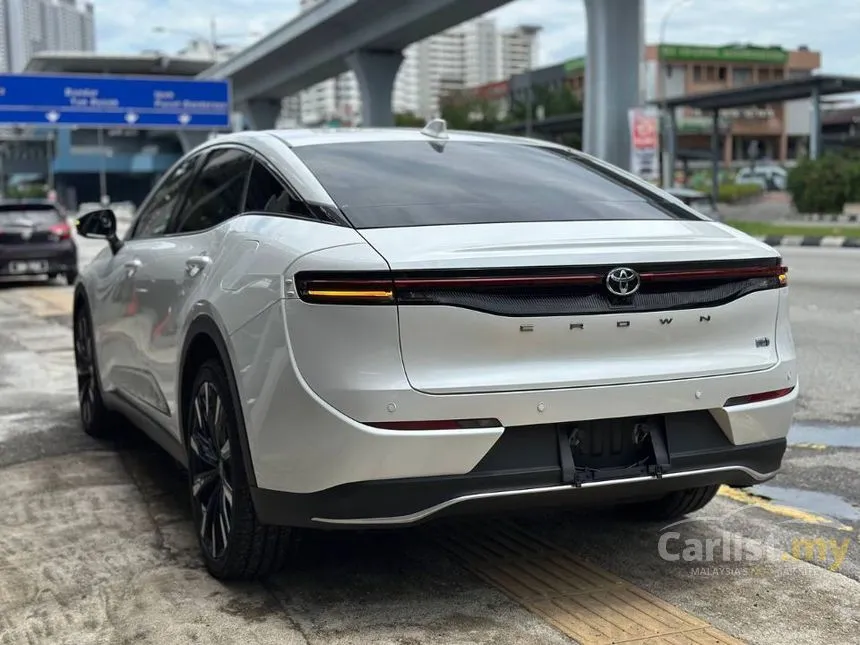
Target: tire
{"x":97,"y":420}
{"x":233,"y":543}
{"x":674,"y":505}
{"x":71,"y":277}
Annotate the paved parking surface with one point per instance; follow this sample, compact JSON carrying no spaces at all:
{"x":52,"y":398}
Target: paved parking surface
{"x":96,"y":544}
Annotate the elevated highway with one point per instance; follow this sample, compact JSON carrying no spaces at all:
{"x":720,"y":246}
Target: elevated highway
{"x":368,"y":37}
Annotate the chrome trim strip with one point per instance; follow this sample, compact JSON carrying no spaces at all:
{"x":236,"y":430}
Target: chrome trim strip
{"x":420,"y":515}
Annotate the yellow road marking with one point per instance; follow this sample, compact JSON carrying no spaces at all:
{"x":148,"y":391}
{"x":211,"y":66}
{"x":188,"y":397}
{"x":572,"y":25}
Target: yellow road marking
{"x":586,"y":603}
{"x":744,"y":497}
{"x":810,"y":446}
{"x":44,"y":301}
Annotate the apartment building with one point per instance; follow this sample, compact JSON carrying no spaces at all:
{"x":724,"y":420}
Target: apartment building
{"x":782,"y":130}
{"x":472,"y":53}
{"x":28,"y":27}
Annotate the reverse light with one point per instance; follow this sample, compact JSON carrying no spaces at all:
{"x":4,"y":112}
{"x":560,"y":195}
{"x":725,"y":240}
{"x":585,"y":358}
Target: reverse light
{"x":444,"y":424}
{"x":759,"y":397}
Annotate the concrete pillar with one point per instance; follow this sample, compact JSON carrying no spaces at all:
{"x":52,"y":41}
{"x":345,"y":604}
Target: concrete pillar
{"x":375,"y":71}
{"x":673,"y":146}
{"x":190,"y":139}
{"x":815,"y":125}
{"x":715,"y":155}
{"x":261,"y":114}
{"x":614,"y":62}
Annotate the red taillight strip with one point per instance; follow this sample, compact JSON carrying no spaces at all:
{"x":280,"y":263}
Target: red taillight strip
{"x":698,"y":274}
{"x":417,"y":283}
{"x":759,"y":397}
{"x":441,"y":424}
{"x":359,"y":283}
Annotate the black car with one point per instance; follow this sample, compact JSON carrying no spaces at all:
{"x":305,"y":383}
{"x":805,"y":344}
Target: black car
{"x":36,"y":239}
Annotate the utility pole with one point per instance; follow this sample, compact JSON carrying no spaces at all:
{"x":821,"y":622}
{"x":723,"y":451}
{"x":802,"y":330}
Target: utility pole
{"x":213,"y":38}
{"x":529,"y":102}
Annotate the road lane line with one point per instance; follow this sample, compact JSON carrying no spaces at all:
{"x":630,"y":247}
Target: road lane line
{"x":584,"y":602}
{"x":745,"y":497}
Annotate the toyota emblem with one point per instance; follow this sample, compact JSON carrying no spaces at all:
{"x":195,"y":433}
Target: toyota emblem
{"x":622,"y":282}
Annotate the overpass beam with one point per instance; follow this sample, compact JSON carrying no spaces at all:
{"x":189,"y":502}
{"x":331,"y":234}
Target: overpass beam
{"x":612,"y":76}
{"x":261,"y":114}
{"x":376,"y":71}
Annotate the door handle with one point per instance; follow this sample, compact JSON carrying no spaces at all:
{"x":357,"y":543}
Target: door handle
{"x":131,"y":266}
{"x":196,"y":264}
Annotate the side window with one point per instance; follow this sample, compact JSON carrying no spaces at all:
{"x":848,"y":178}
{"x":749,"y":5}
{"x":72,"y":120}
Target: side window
{"x":216,"y":194}
{"x":154,"y":219}
{"x":267,"y":194}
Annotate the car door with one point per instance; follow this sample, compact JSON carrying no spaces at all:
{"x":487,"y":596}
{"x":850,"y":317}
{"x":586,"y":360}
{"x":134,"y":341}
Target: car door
{"x":176,"y":268}
{"x":123,"y":298}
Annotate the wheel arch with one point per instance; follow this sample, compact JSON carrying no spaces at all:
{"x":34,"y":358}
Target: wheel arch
{"x":204,"y":340}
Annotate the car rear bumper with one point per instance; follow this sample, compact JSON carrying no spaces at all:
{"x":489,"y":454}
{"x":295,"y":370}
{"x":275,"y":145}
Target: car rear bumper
{"x":60,"y":257}
{"x":300,"y":443}
{"x":501,"y":483}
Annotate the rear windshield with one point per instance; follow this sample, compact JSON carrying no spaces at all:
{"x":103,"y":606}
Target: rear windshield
{"x":38,"y":214}
{"x":417,"y":183}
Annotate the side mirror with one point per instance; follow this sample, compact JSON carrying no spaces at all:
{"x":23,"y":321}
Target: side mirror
{"x":99,"y":225}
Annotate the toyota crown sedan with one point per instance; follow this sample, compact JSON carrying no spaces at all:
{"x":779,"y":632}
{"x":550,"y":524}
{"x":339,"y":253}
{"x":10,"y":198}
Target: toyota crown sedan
{"x":354,"y":329}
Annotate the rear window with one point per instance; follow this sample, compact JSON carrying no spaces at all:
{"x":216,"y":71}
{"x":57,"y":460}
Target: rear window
{"x":417,"y":183}
{"x":38,"y":214}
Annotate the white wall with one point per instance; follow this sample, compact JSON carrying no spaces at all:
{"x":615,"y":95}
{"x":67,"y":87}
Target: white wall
{"x":798,"y":115}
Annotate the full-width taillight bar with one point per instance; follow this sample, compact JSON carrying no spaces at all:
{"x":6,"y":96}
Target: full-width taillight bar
{"x":382,"y":289}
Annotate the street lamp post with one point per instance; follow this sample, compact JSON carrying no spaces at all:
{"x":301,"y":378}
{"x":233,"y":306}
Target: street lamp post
{"x":210,"y":41}
{"x":667,"y":159}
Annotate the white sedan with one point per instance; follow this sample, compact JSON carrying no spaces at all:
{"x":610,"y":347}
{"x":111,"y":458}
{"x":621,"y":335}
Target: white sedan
{"x":352,"y":329}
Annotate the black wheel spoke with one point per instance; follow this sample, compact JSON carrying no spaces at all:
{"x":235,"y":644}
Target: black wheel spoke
{"x":209,"y":468}
{"x":202,"y":484}
{"x":203,"y":449}
{"x":84,"y":368}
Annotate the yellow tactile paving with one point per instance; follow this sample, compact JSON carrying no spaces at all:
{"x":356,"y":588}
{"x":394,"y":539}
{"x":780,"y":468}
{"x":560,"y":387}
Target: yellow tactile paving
{"x":44,"y":301}
{"x":586,"y":603}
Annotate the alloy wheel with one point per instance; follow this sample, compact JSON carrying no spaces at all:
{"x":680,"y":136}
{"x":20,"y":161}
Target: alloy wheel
{"x":85,"y":369}
{"x":210,"y":469}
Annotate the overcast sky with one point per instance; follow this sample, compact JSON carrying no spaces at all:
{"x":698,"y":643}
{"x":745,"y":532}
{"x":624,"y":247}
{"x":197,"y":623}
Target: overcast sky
{"x":830,"y":26}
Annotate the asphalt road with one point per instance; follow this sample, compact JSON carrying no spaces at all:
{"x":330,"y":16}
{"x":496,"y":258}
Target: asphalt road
{"x":96,"y":544}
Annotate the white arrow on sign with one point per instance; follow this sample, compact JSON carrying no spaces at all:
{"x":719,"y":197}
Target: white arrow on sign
{"x":131,"y":117}
{"x":53,"y":116}
{"x":185,"y":119}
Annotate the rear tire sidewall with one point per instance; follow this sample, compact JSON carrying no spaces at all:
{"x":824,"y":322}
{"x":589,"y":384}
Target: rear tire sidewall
{"x":242,"y":511}
{"x":100,"y":417}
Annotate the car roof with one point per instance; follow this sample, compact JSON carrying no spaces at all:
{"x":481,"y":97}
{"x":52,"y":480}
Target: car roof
{"x":26,"y":201}
{"x":300,"y":137}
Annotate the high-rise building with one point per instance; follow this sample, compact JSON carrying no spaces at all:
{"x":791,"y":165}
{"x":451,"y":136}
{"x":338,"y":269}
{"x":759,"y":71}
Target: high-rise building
{"x":28,"y":27}
{"x":519,"y":50}
{"x":473,"y":53}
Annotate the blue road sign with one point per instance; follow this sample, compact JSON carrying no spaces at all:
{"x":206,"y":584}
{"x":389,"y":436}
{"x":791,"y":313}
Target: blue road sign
{"x":113,"y":101}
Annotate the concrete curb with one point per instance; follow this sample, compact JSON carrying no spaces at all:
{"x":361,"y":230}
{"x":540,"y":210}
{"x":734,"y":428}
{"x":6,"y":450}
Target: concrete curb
{"x":832,"y":218}
{"x":829,"y":241}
